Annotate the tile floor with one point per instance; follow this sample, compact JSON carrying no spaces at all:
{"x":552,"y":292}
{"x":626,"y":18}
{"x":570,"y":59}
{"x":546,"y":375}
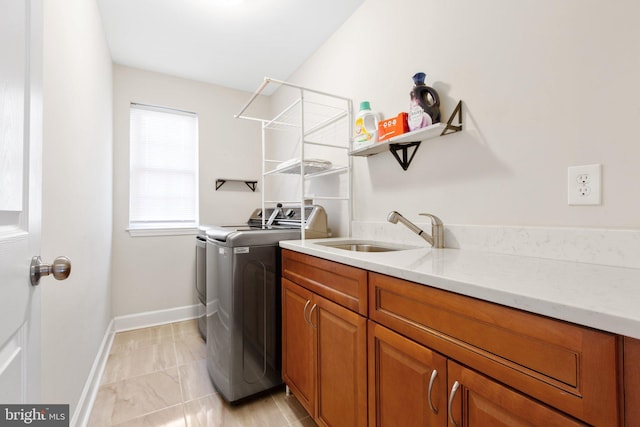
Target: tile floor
{"x":158,"y":377}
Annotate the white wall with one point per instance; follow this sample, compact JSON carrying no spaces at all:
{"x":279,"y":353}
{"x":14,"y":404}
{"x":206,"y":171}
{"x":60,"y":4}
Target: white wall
{"x":77,"y":194}
{"x":156,"y":273}
{"x":545,"y":85}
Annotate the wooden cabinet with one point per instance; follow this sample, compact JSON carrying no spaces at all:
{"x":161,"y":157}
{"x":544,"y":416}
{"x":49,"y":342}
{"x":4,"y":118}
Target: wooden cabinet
{"x":341,"y":339}
{"x":398,"y":366}
{"x":339,"y":283}
{"x":407,"y":381}
{"x":411,"y":385}
{"x":568,"y":367}
{"x":298,"y":344}
{"x":324,"y":347}
{"x":477,"y":401}
{"x":632,"y":382}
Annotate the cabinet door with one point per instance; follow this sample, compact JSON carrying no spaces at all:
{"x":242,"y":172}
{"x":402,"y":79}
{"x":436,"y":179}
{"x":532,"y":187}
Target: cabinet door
{"x":631,"y":382}
{"x":298,"y":344}
{"x":478,"y":401}
{"x":341,"y":365}
{"x":401,"y":389}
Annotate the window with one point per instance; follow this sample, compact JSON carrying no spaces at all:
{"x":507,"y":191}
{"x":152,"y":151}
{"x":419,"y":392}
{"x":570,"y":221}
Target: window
{"x":163,"y":171}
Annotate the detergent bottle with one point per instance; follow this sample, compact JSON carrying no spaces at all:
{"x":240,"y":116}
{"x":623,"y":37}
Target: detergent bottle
{"x":424,"y":109}
{"x":366,"y":126}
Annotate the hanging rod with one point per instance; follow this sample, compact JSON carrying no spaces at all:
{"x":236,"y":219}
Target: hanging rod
{"x":268,"y":80}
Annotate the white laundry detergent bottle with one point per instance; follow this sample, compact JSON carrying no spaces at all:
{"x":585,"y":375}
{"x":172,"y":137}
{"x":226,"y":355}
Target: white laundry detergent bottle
{"x":366,"y":126}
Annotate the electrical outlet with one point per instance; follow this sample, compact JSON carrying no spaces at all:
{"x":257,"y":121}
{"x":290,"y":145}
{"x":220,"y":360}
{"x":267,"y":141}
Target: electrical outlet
{"x":584,"y":185}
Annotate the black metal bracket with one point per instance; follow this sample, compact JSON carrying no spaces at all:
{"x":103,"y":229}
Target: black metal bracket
{"x":449,"y":128}
{"x":221,"y":181}
{"x":454,"y":128}
{"x":405,"y":161}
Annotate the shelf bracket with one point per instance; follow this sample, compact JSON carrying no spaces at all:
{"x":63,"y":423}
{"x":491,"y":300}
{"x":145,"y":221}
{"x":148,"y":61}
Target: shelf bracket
{"x":221,"y":181}
{"x":406,"y":159}
{"x":450,"y":128}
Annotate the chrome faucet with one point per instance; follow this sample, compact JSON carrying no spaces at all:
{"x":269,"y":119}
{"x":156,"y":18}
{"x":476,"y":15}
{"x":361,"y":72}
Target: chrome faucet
{"x":436,"y":239}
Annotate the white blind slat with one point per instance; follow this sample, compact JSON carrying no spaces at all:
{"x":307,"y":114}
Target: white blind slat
{"x":163,"y":166}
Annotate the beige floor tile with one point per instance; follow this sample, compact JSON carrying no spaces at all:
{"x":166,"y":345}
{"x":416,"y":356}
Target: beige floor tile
{"x":143,"y":343}
{"x":195,"y":381}
{"x":190,"y":348}
{"x":187,"y":327}
{"x":139,"y":361}
{"x":262,"y":412}
{"x":290,"y":407}
{"x":213,"y":411}
{"x":141,"y":337}
{"x":103,"y":406}
{"x":130,"y":396}
{"x":305,"y":422}
{"x":128,"y":399}
{"x":206,"y":412}
{"x":169,"y":417}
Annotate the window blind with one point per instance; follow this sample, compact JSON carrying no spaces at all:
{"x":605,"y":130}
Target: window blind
{"x":163,"y":170}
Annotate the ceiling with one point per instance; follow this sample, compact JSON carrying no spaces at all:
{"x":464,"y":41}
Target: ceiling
{"x":233,"y":43}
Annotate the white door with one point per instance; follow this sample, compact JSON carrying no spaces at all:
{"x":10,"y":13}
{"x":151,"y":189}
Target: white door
{"x":20,"y":194}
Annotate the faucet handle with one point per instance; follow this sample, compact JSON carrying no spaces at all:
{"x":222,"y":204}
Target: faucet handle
{"x":434,"y":219}
{"x":437,"y":230}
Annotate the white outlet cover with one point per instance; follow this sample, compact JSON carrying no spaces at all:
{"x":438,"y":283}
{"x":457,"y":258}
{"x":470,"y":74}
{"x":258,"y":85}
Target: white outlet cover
{"x":584,"y":185}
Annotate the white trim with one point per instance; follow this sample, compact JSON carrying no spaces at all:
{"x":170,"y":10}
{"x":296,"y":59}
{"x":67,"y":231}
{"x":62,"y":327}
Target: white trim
{"x":87,"y":398}
{"x":163,"y":231}
{"x":154,"y":318}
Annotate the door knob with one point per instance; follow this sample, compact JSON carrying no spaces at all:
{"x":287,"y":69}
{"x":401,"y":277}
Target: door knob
{"x":61,"y":268}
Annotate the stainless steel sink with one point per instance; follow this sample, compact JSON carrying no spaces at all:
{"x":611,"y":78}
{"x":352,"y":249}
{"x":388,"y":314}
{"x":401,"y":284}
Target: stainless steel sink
{"x":364,"y":246}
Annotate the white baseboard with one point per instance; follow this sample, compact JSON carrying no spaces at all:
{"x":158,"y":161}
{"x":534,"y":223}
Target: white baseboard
{"x":154,"y":318}
{"x":82,"y":413}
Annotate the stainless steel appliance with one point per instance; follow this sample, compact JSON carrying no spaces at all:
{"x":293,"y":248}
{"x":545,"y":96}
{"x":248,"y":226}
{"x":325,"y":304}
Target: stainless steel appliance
{"x":201,"y":277}
{"x":243,"y":298}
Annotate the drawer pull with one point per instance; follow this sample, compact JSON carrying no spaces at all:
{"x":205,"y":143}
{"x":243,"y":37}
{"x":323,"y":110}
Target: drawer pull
{"x":454,"y":389}
{"x":304,"y":312}
{"x":310,"y":314}
{"x":434,"y":375}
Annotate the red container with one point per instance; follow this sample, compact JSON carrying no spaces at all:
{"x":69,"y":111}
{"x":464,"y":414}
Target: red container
{"x":395,"y":126}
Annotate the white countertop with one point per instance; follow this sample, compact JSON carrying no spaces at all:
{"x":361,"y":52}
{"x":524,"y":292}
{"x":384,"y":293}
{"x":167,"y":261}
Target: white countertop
{"x":602,"y":297}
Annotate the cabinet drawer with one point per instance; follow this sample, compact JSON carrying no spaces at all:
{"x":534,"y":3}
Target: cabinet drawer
{"x":339,"y":283}
{"x":570,"y":367}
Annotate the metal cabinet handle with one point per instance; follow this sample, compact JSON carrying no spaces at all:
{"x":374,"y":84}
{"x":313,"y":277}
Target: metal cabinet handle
{"x":60,"y":269}
{"x":310,"y":314}
{"x":454,"y":389}
{"x":304,"y":312}
{"x":434,"y":375}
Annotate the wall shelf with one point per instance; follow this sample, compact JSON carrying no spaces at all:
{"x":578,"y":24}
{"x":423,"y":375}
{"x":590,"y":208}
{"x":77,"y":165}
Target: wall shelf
{"x":403,"y":143}
{"x":250,"y":183}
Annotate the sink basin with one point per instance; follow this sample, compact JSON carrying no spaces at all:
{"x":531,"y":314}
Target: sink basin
{"x":364,"y":246}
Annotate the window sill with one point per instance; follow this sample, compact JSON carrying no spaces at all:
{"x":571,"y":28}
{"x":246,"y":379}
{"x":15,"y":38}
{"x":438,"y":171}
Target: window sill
{"x":162,"y":231}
